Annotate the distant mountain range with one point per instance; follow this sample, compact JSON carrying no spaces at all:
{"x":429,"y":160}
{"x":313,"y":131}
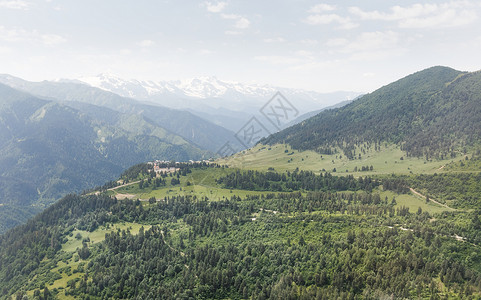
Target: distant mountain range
{"x":191,"y":127}
{"x":315,"y":112}
{"x":225,"y":103}
{"x":49,"y":149}
{"x":58,"y":137}
{"x":431,"y":113}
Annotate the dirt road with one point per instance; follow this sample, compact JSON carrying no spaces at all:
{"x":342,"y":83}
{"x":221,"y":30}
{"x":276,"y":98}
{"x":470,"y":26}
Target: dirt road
{"x":430,"y":199}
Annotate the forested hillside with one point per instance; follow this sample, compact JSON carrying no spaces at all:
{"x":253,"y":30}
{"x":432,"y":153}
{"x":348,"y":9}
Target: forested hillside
{"x":340,"y":238}
{"x":48,"y":150}
{"x":431,"y":113}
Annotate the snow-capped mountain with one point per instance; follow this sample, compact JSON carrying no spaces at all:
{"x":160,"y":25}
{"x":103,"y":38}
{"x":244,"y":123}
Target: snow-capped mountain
{"x":215,"y":93}
{"x":200,"y":87}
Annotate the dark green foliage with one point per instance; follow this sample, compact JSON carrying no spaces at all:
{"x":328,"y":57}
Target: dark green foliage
{"x":339,"y":240}
{"x":298,"y":246}
{"x":245,"y":258}
{"x":396,"y":184}
{"x":136,"y":170}
{"x":470,"y":163}
{"x":23,"y":248}
{"x":429,"y":113}
{"x":463,"y":189}
{"x":84,"y":252}
{"x":293,"y":181}
{"x":13,"y":215}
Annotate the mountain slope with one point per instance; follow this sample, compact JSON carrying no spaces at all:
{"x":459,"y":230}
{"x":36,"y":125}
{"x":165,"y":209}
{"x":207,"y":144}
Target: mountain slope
{"x":426,"y":113}
{"x":49,"y":149}
{"x":189,"y":126}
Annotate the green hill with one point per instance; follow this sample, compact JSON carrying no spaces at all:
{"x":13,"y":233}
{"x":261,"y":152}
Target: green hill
{"x":431,"y":113}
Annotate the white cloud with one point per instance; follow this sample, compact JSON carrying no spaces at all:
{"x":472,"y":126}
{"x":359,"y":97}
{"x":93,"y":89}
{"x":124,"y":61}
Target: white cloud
{"x":5,"y":50}
{"x":125,"y":52}
{"x":15,"y":4}
{"x":310,"y":42}
{"x":325,"y":19}
{"x":373,"y":41}
{"x":319,"y":8}
{"x":449,"y":14}
{"x":307,"y":55}
{"x":376,"y":45}
{"x":241,"y":22}
{"x":215,"y":8}
{"x":232,"y":32}
{"x":274,"y":40}
{"x":22,"y":35}
{"x":336,"y":42}
{"x":448,"y":18}
{"x":146,"y":43}
{"x":51,"y":39}
{"x":297,"y":58}
{"x":230,"y":16}
{"x":205,"y":52}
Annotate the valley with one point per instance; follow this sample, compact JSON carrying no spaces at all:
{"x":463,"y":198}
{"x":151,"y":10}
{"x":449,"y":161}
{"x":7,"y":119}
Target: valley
{"x":336,"y":207}
{"x":240,"y":150}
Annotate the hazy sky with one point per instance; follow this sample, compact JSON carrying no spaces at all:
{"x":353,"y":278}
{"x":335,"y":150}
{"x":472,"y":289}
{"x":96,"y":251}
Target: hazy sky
{"x":322,"y":46}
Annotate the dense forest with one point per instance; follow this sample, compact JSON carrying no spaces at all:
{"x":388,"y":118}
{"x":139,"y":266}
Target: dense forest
{"x":294,"y":181}
{"x":433,"y":113}
{"x":333,"y":238}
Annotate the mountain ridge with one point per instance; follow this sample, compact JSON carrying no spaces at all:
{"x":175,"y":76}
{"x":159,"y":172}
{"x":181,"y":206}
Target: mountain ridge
{"x":198,"y":87}
{"x":206,"y":135}
{"x":49,"y":149}
{"x":408,"y":112}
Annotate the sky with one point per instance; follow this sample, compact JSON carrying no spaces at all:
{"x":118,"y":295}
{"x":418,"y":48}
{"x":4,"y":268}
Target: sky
{"x":322,"y":46}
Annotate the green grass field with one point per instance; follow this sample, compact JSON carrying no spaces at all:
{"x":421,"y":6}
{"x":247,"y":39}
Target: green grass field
{"x":203,"y":184}
{"x":200,"y":183}
{"x":413,"y":202}
{"x":283,"y":157}
{"x":98,"y":235}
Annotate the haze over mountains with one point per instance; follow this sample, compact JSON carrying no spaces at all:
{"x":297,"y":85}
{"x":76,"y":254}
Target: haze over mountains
{"x":191,"y":127}
{"x":226,"y":103}
{"x":82,"y":136}
{"x":49,"y":149}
